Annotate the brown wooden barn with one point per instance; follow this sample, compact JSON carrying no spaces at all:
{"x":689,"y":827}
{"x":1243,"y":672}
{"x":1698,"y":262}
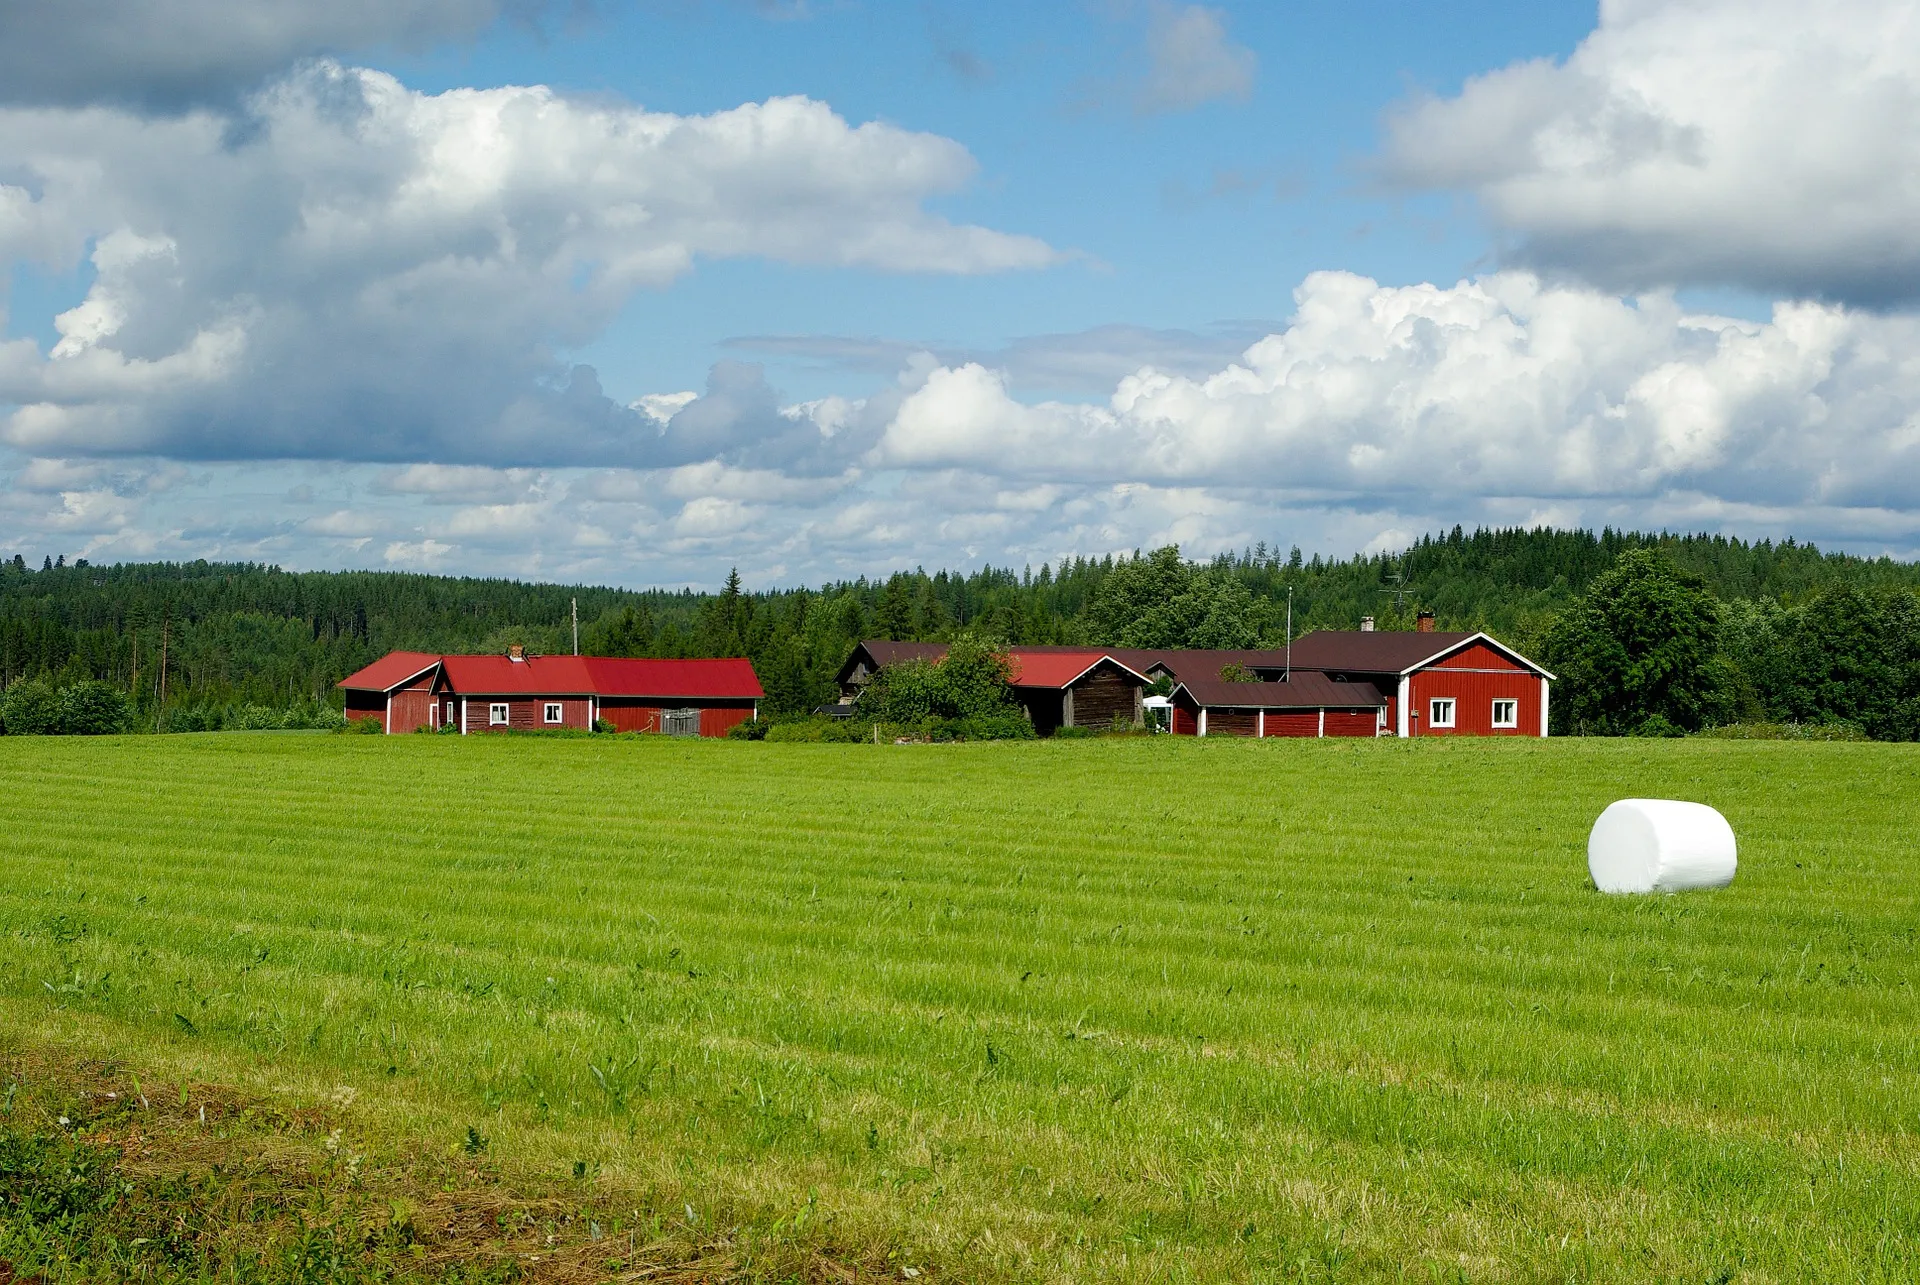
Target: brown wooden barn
{"x":1057,"y":686}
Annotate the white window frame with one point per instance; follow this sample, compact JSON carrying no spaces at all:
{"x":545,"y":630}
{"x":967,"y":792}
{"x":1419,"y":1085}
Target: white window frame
{"x":553,"y":712}
{"x":1513,"y":712}
{"x":1434,"y":707}
{"x":498,"y":713}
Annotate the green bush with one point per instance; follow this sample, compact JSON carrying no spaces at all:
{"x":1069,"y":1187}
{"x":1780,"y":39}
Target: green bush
{"x":820,"y":729}
{"x":969,"y":683}
{"x":368,"y":725}
{"x":30,"y":708}
{"x":753,"y":729}
{"x":257,"y":718}
{"x":990,"y":727}
{"x":93,"y":708}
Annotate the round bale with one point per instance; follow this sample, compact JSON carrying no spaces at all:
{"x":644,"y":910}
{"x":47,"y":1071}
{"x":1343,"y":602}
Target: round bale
{"x":1660,"y":845}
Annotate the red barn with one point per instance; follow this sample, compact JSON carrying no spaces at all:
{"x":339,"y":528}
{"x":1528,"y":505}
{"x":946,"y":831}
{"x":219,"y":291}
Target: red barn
{"x":518,"y":692}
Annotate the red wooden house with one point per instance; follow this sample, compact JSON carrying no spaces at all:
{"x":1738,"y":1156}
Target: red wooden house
{"x":517,"y":692}
{"x":1436,"y":684}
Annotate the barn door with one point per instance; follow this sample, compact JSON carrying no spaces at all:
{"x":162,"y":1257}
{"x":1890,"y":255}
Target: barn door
{"x":680,"y":722}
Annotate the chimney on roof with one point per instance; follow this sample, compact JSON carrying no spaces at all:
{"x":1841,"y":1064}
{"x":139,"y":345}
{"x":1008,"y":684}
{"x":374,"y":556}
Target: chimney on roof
{"x":516,"y":652}
{"x":1424,"y":622}
{"x":1366,"y":624}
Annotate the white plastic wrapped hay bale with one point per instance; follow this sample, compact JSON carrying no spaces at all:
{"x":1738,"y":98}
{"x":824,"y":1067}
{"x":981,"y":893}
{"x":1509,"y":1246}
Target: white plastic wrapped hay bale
{"x":1660,"y":845}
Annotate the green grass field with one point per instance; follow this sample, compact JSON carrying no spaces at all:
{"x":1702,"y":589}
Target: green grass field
{"x":1128,"y":1010}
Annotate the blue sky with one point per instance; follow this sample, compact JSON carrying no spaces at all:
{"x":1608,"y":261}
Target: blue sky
{"x":820,"y":289}
{"x":1186,"y":219}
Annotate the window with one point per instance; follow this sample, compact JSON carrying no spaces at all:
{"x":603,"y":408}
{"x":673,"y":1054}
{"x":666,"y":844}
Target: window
{"x":496,"y":715}
{"x":1440,"y":712}
{"x":1506,"y":713}
{"x":553,"y":714}
{"x":449,"y":718}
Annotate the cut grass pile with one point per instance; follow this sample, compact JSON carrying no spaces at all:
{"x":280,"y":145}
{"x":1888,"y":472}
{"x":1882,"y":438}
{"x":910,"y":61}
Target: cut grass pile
{"x":1133,"y":1010}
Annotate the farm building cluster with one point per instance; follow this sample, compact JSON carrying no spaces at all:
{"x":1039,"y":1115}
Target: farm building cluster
{"x":1338,"y":682}
{"x":1359,"y":682}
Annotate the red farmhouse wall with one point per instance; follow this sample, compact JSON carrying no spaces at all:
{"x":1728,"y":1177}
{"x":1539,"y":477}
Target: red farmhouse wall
{"x":1475,"y":678}
{"x":525,"y":713}
{"x":632,"y":716}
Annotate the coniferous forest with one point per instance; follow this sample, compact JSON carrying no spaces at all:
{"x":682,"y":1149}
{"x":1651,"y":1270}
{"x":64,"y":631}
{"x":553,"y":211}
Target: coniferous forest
{"x":194,"y":644}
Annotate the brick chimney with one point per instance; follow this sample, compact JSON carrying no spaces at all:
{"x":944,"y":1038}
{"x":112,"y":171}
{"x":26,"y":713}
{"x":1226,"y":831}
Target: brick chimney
{"x":1366,"y":624}
{"x":1424,"y":622}
{"x":516,"y":652}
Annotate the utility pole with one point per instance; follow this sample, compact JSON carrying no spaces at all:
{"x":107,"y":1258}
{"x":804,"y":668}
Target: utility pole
{"x":163,"y":662}
{"x":1289,"y":677}
{"x":576,"y":626}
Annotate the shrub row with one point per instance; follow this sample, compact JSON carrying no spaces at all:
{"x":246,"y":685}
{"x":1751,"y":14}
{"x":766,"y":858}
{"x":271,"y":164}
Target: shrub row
{"x":88,"y":708}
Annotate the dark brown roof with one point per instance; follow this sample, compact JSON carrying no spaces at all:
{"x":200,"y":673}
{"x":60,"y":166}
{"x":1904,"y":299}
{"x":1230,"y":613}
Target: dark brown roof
{"x":1306,"y":690}
{"x":1200,"y":666}
{"x":1373,"y":651}
{"x":880,"y":653}
{"x":1338,"y":651}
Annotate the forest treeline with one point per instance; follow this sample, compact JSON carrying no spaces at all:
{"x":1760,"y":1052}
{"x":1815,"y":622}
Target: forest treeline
{"x":192,"y":643}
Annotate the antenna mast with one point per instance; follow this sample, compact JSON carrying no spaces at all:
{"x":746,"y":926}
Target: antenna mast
{"x":576,"y":626}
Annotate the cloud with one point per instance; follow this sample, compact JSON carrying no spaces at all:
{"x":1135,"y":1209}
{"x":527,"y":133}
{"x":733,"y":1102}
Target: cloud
{"x":1079,"y":362}
{"x":349,"y":269}
{"x":1191,"y":61}
{"x":1502,"y":387}
{"x":1766,"y":144}
{"x":188,"y":52}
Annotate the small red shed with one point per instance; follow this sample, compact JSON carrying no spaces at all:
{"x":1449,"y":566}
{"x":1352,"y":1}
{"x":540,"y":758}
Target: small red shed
{"x":1308,"y":704}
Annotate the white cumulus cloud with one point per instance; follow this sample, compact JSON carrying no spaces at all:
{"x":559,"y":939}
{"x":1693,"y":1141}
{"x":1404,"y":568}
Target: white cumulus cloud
{"x":1501,"y":387}
{"x":349,"y":269}
{"x":1767,"y":144}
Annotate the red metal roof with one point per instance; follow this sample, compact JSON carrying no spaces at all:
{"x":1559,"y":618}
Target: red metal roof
{"x":390,"y":671}
{"x":1053,"y":668}
{"x":534,"y":676}
{"x":732,"y":679}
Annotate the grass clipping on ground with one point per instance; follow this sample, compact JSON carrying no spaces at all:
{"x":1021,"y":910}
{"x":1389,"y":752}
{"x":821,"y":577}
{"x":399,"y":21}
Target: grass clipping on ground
{"x":1133,"y":1010}
{"x":104,"y":1177}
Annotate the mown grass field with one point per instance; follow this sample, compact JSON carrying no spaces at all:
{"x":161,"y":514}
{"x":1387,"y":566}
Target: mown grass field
{"x":1128,"y":1010}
